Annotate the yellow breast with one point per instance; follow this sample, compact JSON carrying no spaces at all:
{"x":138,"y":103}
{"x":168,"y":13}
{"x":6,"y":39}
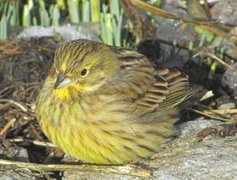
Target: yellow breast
{"x":95,"y":134}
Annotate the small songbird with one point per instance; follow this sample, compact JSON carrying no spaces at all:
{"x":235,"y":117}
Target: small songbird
{"x":110,"y":105}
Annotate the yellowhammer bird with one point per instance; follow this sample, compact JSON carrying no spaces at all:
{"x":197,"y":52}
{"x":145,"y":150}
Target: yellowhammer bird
{"x":109,"y":105}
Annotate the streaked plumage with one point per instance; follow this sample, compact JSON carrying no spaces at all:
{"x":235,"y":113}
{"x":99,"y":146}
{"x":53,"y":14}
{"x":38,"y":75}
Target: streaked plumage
{"x":109,"y":105}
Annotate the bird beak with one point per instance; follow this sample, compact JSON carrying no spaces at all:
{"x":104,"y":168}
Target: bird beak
{"x":62,"y":81}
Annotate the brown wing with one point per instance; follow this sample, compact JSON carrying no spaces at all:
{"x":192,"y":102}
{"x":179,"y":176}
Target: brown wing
{"x":170,"y":89}
{"x":160,"y":90}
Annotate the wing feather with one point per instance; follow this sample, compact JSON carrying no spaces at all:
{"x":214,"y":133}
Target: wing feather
{"x":150,"y":89}
{"x":170,"y":89}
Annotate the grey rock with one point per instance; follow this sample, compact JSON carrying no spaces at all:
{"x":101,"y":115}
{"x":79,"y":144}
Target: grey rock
{"x":227,"y":106}
{"x":13,"y":175}
{"x":229,"y":79}
{"x":14,"y":152}
{"x":68,"y":32}
{"x":225,"y":11}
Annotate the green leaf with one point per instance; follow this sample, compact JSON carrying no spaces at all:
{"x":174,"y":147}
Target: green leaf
{"x":3,"y":27}
{"x":73,"y":10}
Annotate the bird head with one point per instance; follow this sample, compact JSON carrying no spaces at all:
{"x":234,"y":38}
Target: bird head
{"x":81,"y":67}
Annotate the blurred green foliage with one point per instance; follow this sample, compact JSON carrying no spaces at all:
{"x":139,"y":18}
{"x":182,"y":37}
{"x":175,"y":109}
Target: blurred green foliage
{"x":107,"y":13}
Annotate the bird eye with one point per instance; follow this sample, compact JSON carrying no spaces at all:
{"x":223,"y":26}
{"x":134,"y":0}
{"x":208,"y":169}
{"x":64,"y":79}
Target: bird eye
{"x":84,"y":72}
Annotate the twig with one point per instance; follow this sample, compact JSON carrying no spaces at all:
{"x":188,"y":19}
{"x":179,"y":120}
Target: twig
{"x":35,"y":142}
{"x":6,"y":89}
{"x":219,"y":60}
{"x":7,"y":126}
{"x":207,"y":25}
{"x":29,"y":83}
{"x":10,"y":101}
{"x":221,"y":111}
{"x":131,"y":170}
{"x":161,"y":12}
{"x":211,"y":116}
